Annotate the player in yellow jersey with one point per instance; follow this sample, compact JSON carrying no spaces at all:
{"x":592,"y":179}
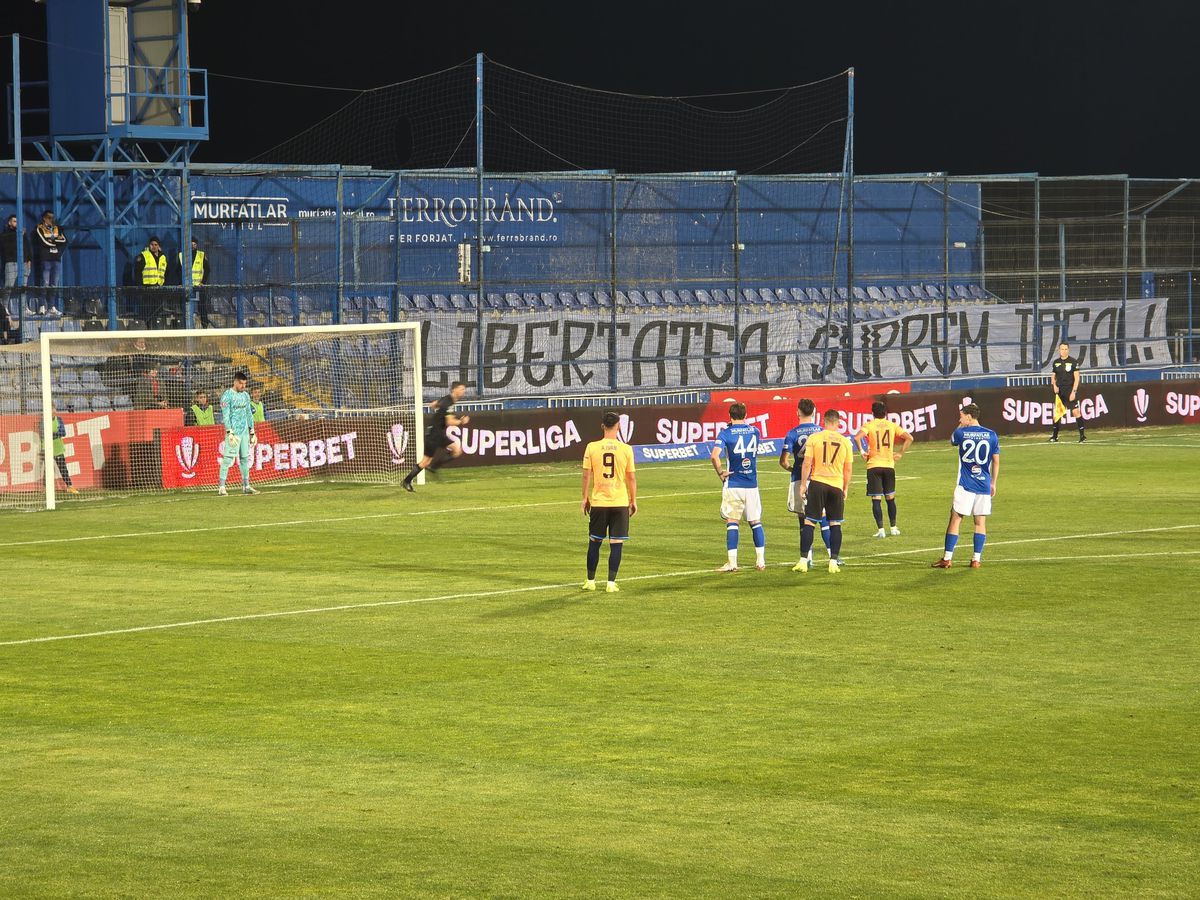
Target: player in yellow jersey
{"x":609,"y":498}
{"x":882,"y":442}
{"x":828,"y":461}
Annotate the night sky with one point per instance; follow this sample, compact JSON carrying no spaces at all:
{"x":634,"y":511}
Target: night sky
{"x":1057,"y":88}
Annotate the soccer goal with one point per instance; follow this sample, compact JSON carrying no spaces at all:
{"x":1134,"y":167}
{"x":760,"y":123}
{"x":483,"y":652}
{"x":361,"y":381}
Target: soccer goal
{"x":135,"y":412}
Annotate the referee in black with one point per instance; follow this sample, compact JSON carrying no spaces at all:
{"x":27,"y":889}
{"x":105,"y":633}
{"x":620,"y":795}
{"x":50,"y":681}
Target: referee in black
{"x":436,"y":438}
{"x":1066,"y":387}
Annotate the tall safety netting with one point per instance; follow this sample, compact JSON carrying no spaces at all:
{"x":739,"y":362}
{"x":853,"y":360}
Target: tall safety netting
{"x":124,"y":413}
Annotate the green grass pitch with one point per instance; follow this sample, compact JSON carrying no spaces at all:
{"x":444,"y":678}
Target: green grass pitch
{"x":370,"y":693}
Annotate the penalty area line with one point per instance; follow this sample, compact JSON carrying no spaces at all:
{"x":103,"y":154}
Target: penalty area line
{"x":344,"y":607}
{"x":292,"y":522}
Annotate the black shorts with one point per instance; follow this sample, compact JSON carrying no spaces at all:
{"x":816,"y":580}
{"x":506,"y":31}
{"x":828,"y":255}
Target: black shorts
{"x":609,"y":521}
{"x":881,"y":481}
{"x":825,"y":500}
{"x":435,"y":440}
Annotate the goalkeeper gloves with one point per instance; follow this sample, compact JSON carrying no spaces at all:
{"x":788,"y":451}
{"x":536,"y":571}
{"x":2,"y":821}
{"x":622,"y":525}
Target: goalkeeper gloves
{"x":231,"y":441}
{"x":253,"y":439}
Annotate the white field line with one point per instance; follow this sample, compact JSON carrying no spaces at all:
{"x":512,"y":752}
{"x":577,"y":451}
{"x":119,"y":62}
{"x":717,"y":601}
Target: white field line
{"x":364,"y":517}
{"x":873,"y":559}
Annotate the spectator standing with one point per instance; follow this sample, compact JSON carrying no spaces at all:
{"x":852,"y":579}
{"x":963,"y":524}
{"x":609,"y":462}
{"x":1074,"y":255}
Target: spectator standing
{"x":49,"y":244}
{"x":256,"y":404}
{"x":8,"y":251}
{"x":59,"y":430}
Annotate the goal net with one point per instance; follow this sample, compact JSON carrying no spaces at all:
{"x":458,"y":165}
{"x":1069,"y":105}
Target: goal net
{"x":119,"y":413}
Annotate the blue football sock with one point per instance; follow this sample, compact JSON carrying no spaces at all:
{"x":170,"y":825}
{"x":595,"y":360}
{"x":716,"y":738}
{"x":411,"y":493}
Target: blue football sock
{"x":614,"y":559}
{"x":759,"y":536}
{"x":593,"y":558}
{"x":835,"y":540}
{"x":825,"y":531}
{"x":980,"y":538}
{"x":731,"y":535}
{"x":951,"y":542}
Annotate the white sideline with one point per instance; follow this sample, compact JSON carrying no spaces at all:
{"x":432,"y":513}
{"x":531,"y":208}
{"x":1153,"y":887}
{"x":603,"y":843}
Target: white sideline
{"x":882,"y":559}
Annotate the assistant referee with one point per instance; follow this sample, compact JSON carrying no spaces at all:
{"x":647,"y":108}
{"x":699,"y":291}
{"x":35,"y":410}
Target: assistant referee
{"x":1066,"y":388}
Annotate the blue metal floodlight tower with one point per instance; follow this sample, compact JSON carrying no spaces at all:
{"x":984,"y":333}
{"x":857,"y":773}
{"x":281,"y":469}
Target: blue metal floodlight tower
{"x":125,"y":114}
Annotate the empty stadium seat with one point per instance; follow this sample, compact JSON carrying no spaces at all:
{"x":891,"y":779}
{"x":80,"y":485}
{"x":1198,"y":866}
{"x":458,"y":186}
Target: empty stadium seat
{"x":602,"y":300}
{"x":101,"y":403}
{"x":549,"y":300}
{"x":461,"y":302}
{"x":441,"y":302}
{"x":655,"y":299}
{"x":422,"y":303}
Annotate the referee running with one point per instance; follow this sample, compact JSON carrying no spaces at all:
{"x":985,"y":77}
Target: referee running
{"x":1066,"y":388}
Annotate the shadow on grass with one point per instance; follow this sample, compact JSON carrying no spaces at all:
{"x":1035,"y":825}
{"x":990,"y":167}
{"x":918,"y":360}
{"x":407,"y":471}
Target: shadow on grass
{"x":568,"y":598}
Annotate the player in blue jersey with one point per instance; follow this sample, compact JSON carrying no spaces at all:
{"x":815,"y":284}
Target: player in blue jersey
{"x":237,"y":414}
{"x":791,"y":458}
{"x":739,"y":442}
{"x":978,"y":472}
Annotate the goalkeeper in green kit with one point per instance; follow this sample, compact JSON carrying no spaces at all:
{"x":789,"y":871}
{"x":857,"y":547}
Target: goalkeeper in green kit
{"x":238,"y":416}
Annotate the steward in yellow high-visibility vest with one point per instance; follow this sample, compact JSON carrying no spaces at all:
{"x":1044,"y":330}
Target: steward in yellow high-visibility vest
{"x":201,"y":412}
{"x":200,"y":276}
{"x":153,"y":264}
{"x":199,"y":266}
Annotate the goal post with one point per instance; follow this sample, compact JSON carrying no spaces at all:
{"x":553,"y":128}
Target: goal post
{"x":125,"y":412}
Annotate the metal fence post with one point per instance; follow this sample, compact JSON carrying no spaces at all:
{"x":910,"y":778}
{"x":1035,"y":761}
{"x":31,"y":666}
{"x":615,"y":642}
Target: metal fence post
{"x":396,"y":253}
{"x":612,"y":250}
{"x":945,"y":354}
{"x":1037,"y":268}
{"x":737,"y":287}
{"x":1062,"y":261}
{"x":480,"y":233}
{"x":1124,"y":332}
{"x":849,"y":225}
{"x":339,"y":251}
